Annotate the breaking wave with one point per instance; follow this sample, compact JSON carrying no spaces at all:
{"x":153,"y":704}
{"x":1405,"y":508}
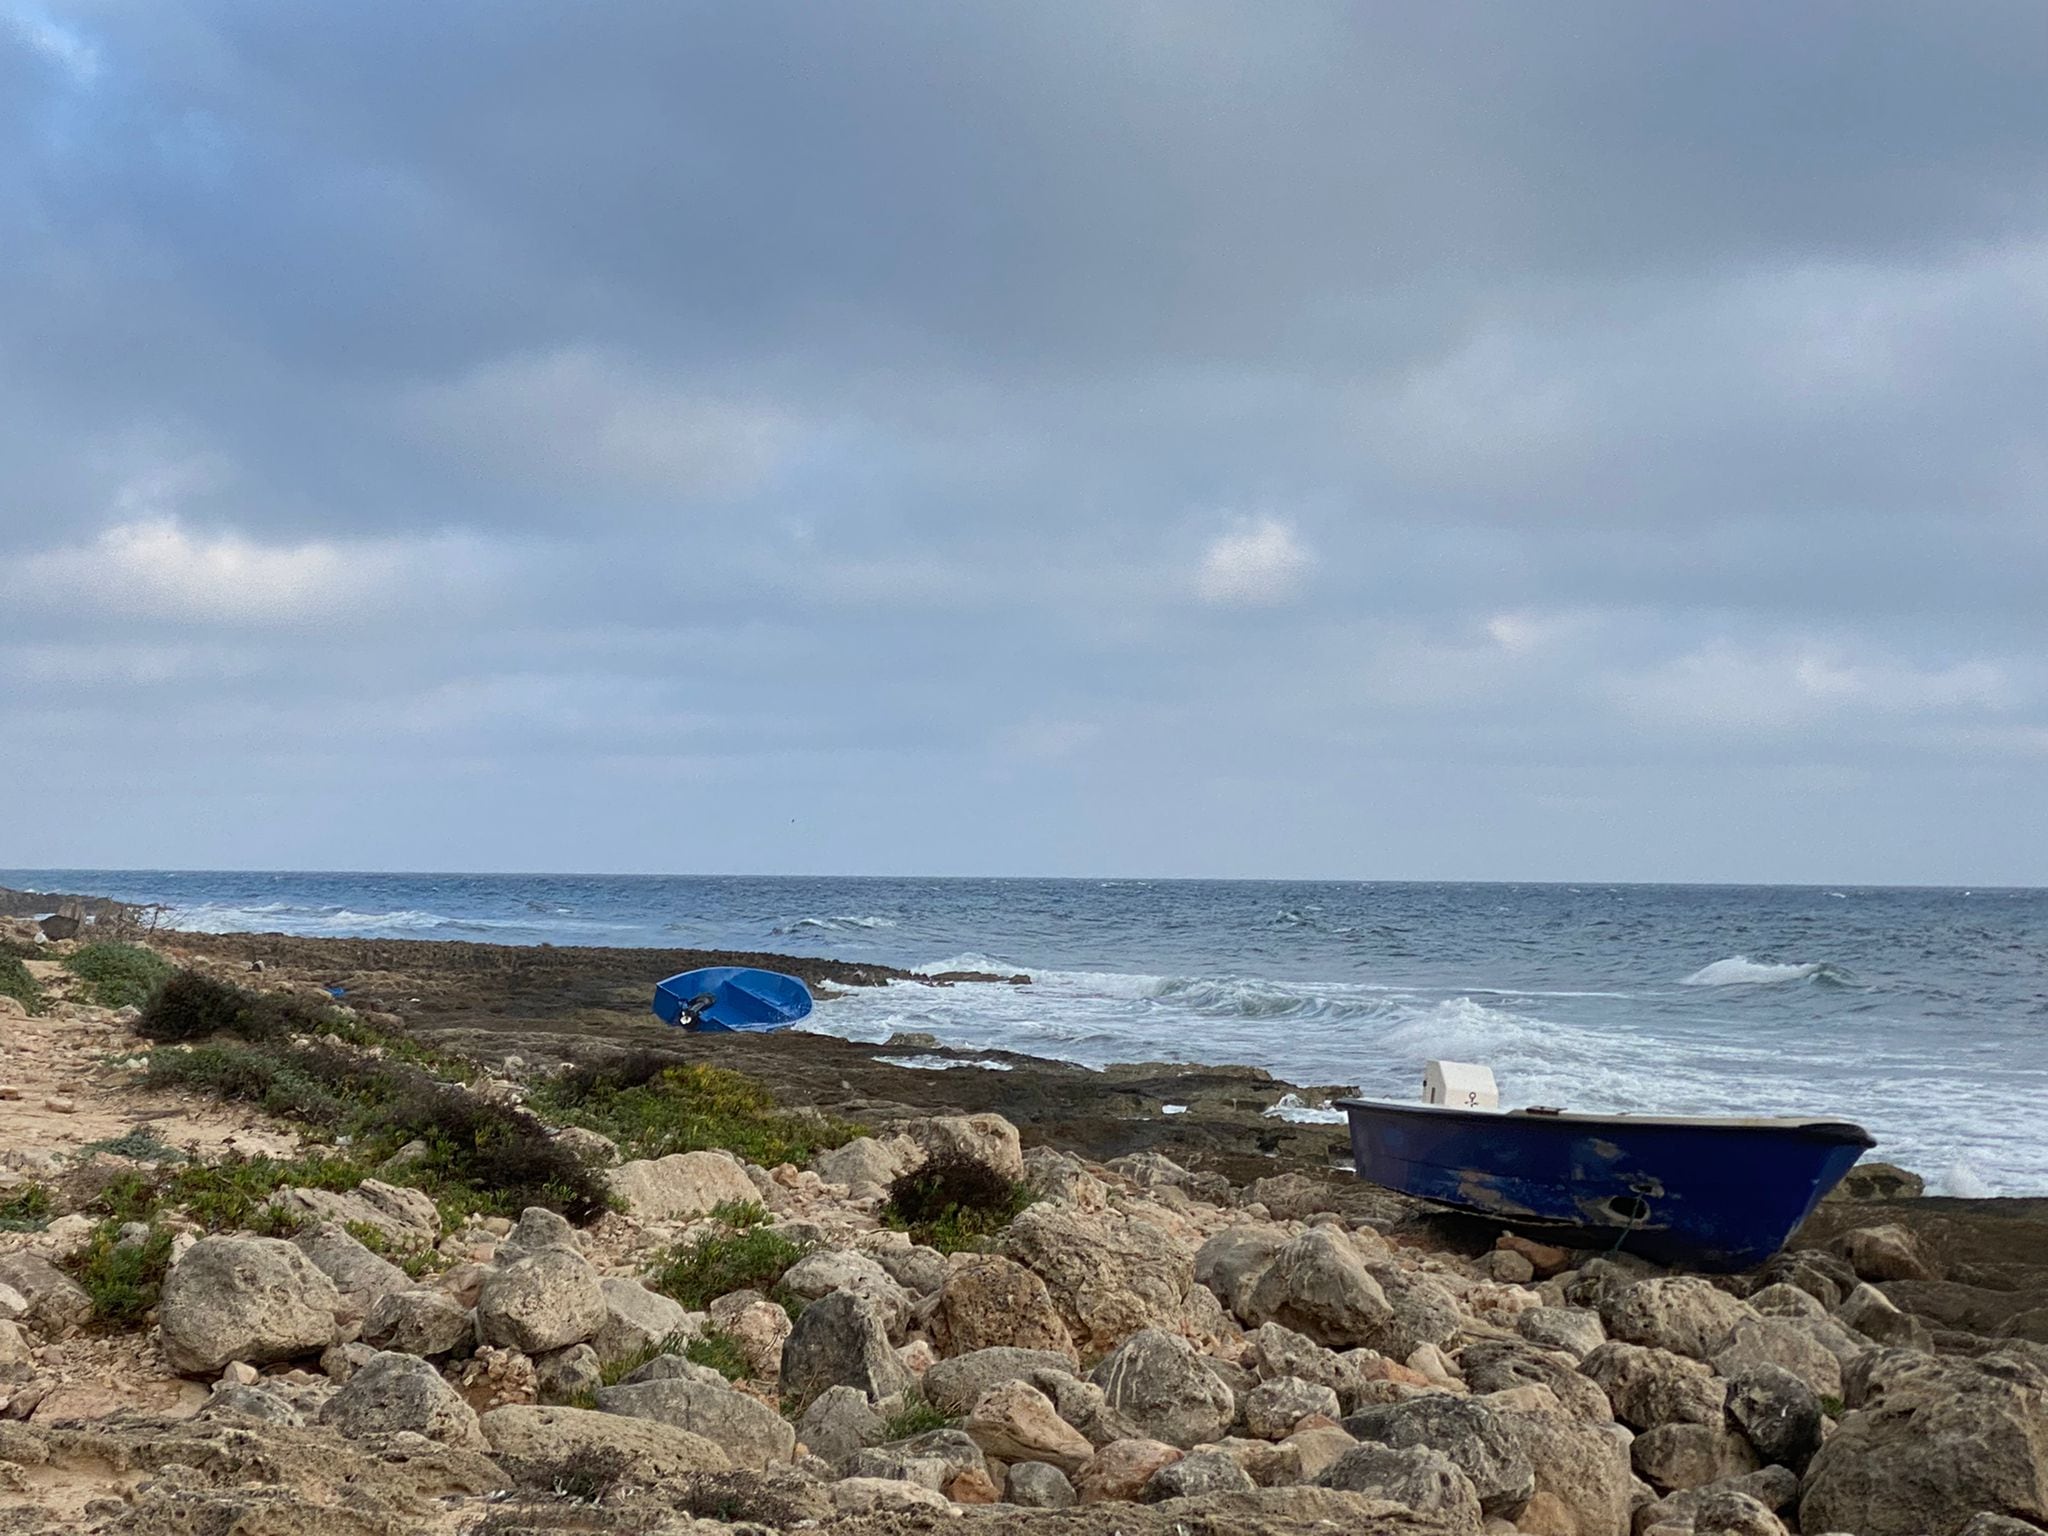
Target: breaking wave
{"x":836,"y":924}
{"x":1741,"y":971}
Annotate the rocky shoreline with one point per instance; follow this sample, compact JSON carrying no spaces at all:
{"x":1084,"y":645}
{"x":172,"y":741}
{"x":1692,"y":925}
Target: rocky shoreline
{"x":1180,"y":1323}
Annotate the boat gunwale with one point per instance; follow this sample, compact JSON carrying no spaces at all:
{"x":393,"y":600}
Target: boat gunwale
{"x":1846,"y":1131}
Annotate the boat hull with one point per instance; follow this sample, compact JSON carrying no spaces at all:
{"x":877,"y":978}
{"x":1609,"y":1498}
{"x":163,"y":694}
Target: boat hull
{"x":745,"y":1000}
{"x":1702,"y":1193}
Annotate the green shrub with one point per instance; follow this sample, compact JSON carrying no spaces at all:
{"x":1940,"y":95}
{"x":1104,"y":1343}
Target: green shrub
{"x":141,"y":1144}
{"x":28,"y":1209}
{"x":233,"y":1194}
{"x":118,"y":975}
{"x":123,"y":1279}
{"x":190,"y":1006}
{"x":478,"y":1157}
{"x":720,"y":1351}
{"x":953,"y":1201}
{"x":15,"y":982}
{"x":651,"y":1106}
{"x":917,"y":1416}
{"x":417,"y":1260}
{"x":715,"y":1264}
{"x":740,"y":1214}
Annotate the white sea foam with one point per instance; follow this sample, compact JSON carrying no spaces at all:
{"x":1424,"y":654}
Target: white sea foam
{"x":1962,"y":1181}
{"x":1740,"y":970}
{"x":845,"y":923}
{"x":1293,"y":1107}
{"x":942,"y":1063}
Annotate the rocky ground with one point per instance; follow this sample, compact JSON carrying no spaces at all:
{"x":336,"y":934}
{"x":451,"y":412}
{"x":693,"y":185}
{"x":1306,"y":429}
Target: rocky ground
{"x":1191,"y":1328}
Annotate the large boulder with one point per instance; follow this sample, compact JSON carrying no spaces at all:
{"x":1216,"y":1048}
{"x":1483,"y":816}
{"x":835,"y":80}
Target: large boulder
{"x":547,"y":1300}
{"x":1413,"y":1476}
{"x":819,"y":1274}
{"x":1776,"y":1488}
{"x":1648,"y":1387}
{"x":1888,"y":1252}
{"x":865,"y":1162}
{"x":1122,"y":1469}
{"x":403,"y":1216}
{"x":749,"y":1432}
{"x":1038,"y":1485}
{"x":1684,"y":1315}
{"x":1209,"y":1470}
{"x":1158,"y":1385}
{"x":1691,"y":1455}
{"x":1936,"y":1440}
{"x":1779,"y":1413}
{"x":1475,"y":1435}
{"x":49,"y":1301}
{"x":358,"y":1274}
{"x":1109,"y":1273}
{"x":423,"y":1320}
{"x":838,"y":1422}
{"x":984,"y":1138}
{"x":1277,"y":1404}
{"x":1318,"y":1285}
{"x":1014,"y":1421}
{"x":842,"y":1340}
{"x":635,"y":1319}
{"x":1231,"y":1262}
{"x":1571,"y":1329}
{"x":254,"y":1299}
{"x":1785,"y":1342}
{"x":956,"y":1385}
{"x":992,"y":1302}
{"x":402,"y":1392}
{"x":1502,"y":1365}
{"x":1870,"y":1312}
{"x":1425,"y":1313}
{"x":543,"y":1446}
{"x":680,"y":1185}
{"x":1584,"y":1486}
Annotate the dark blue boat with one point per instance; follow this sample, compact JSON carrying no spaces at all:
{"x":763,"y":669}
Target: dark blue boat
{"x":1716,"y":1194}
{"x":727,"y":998}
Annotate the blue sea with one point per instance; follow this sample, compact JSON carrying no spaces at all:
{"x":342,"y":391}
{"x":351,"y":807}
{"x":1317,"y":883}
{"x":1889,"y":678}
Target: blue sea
{"x":1921,"y":1013}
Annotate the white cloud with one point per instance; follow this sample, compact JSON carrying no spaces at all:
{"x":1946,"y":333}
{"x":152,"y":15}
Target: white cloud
{"x":578,"y":416}
{"x":1722,"y":686}
{"x":68,"y":49}
{"x":158,"y":568}
{"x":1261,"y":562}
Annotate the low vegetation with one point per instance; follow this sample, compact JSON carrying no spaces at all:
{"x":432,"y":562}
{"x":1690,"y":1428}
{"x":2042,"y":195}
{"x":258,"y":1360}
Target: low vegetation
{"x":651,"y":1106}
{"x":229,"y":1195}
{"x":15,"y":982}
{"x":416,"y":1259}
{"x":713,"y":1264}
{"x":27,"y":1209}
{"x":721,"y":1352}
{"x":953,"y":1202}
{"x":917,"y":1416}
{"x":471,"y":1155}
{"x":118,"y":975}
{"x":122,"y":1276}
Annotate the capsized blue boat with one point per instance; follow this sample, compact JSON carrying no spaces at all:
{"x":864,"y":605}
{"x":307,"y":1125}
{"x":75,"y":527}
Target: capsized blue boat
{"x":1703,"y":1193}
{"x":725,"y":998}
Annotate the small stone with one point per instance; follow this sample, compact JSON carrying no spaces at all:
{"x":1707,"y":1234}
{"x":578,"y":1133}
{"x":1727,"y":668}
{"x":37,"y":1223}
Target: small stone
{"x":1121,"y":1469}
{"x":58,"y":1106}
{"x":239,"y":1373}
{"x":1035,"y":1485}
{"x":1508,"y":1267}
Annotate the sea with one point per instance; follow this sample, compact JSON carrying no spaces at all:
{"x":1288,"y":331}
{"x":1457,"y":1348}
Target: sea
{"x":1920,"y":1013}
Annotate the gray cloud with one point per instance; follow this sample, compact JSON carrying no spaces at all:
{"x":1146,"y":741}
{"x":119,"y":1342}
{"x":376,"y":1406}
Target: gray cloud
{"x":1597,"y":441}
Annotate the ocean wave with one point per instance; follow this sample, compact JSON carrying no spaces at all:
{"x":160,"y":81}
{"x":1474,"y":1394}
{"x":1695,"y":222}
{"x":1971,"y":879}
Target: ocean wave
{"x":941,"y":1063}
{"x":1292,"y":1107}
{"x":836,"y":924}
{"x":1741,"y":971}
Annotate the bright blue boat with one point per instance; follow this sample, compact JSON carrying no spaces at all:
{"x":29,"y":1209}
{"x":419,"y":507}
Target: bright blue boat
{"x":1702,"y":1193}
{"x":728,"y":998}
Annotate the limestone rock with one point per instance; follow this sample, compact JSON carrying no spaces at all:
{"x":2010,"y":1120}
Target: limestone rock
{"x":1779,"y":1412}
{"x":1888,"y":1252}
{"x":402,"y":1392}
{"x":1684,"y":1315}
{"x":986,"y":1138}
{"x":424,"y":1320}
{"x":956,"y":1385}
{"x":918,"y":1269}
{"x":566,"y":1375}
{"x":1109,"y":1273}
{"x":1122,"y":1469}
{"x":17,"y":1360}
{"x":1425,"y":1313}
{"x":842,"y":1340}
{"x":1475,"y":1436}
{"x":1571,"y":1329}
{"x":1014,"y":1421}
{"x":587,"y":1146}
{"x":538,"y":1230}
{"x":1690,"y":1455}
{"x":992,"y":1302}
{"x":839,"y":1269}
{"x":1648,"y":1387}
{"x":749,"y":1432}
{"x":358,"y":1274}
{"x":1318,"y":1285}
{"x":1782,"y":1300}
{"x":244,"y":1298}
{"x":544,"y":1301}
{"x":1776,"y":1488}
{"x":1230,"y":1263}
{"x":1503,"y":1365}
{"x":541,"y":1446}
{"x":680,"y":1185}
{"x":50,"y":1301}
{"x":1583,"y":1480}
{"x":1159,"y":1386}
{"x":885,"y":1496}
{"x":405,"y":1216}
{"x":1206,"y":1470}
{"x":635,"y":1319}
{"x":760,"y":1328}
{"x":1786,"y":1343}
{"x":865,"y":1161}
{"x":244,"y":1402}
{"x":1414,"y":1476}
{"x":1937,"y":1440}
{"x":1276,"y":1405}
{"x":838,"y":1422}
{"x":1871,"y":1313}
{"x":1039,"y":1485}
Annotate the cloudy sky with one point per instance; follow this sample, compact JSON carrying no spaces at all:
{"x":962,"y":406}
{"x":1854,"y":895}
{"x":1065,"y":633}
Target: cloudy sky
{"x":1092,"y":436}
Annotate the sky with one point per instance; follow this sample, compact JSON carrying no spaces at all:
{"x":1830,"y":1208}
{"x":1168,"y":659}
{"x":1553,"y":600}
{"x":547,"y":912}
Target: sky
{"x":1579,"y":441}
